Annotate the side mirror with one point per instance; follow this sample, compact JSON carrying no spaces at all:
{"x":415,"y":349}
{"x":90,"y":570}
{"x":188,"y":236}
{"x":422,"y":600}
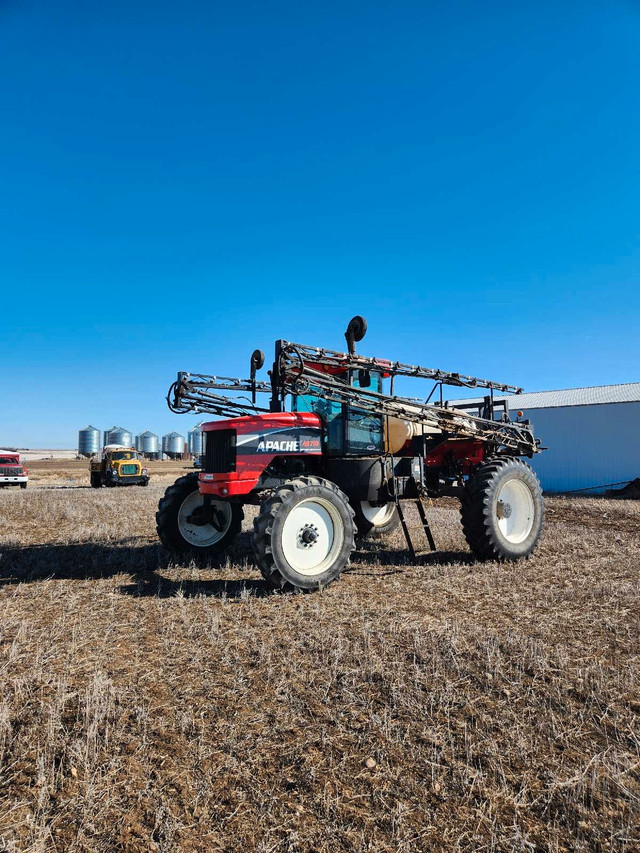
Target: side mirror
{"x":257,"y":360}
{"x":364,"y":378}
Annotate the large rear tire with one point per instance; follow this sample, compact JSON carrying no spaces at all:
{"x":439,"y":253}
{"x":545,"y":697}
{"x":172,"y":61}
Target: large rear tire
{"x":177,"y":521}
{"x":502,"y":510}
{"x":304,"y":535}
{"x":375,"y":519}
{"x":96,"y":480}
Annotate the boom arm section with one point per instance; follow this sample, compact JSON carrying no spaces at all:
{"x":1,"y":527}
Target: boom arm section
{"x":330,"y":359}
{"x":301,"y":369}
{"x":196,"y":392}
{"x":299,"y":376}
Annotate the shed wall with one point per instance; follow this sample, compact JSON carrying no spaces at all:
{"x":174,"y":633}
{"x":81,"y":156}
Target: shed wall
{"x":588,"y":445}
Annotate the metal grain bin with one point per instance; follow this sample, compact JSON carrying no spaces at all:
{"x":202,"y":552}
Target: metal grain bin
{"x":148,"y":443}
{"x":118,"y":435}
{"x":173,"y":444}
{"x":88,"y":441}
{"x":195,"y":440}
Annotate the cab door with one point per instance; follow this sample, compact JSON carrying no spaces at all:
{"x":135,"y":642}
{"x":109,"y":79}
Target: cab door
{"x":348,"y":430}
{"x":364,"y":430}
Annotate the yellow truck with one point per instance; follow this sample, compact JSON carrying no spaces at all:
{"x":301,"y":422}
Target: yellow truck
{"x":116,"y":465}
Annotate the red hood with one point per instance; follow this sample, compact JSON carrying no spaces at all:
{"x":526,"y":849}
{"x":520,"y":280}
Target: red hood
{"x":250,"y":423}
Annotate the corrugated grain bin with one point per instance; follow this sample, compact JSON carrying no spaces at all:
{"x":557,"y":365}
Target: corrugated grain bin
{"x":148,"y":443}
{"x":195,"y":440}
{"x":173,"y":444}
{"x":118,"y":435}
{"x":89,"y":441}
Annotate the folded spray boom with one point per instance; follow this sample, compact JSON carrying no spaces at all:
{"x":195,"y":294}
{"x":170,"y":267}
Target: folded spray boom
{"x":326,"y":374}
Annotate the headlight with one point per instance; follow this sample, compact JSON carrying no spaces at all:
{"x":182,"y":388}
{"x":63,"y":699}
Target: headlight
{"x":144,"y":470}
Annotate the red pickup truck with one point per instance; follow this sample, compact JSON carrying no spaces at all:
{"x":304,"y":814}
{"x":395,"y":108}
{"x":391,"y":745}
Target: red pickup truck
{"x":12,"y":472}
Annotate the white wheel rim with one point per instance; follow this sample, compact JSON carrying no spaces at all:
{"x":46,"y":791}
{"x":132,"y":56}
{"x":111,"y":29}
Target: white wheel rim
{"x":515,"y":511}
{"x":377,"y":514}
{"x":322,"y":521}
{"x":202,"y":536}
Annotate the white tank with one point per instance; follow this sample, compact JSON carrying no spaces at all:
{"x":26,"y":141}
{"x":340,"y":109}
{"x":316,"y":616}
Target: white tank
{"x":398,"y":431}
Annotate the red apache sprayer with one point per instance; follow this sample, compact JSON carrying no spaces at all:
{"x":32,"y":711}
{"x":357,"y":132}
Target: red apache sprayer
{"x":340,"y":461}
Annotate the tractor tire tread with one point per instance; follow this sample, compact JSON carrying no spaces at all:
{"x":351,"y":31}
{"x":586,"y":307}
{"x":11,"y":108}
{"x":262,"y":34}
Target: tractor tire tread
{"x":263,"y":528}
{"x":164,"y":526}
{"x":475,"y":510}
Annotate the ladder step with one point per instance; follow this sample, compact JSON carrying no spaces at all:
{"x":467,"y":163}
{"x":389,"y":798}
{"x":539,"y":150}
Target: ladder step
{"x":407,"y":530}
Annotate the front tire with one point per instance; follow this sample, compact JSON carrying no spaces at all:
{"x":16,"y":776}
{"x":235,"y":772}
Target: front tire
{"x":375,"y":519}
{"x":177,"y":516}
{"x":304,"y":535}
{"x":23,"y":485}
{"x":502,"y":510}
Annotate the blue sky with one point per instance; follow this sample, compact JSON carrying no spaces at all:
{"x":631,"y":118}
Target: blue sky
{"x":182,"y":183}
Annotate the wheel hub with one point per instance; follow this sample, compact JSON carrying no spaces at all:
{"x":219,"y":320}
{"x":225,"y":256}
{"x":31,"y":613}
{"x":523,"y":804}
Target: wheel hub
{"x":311,"y":535}
{"x":504,"y":509}
{"x":203,"y":516}
{"x":308,"y":535}
{"x":201,"y":525}
{"x":515,"y":510}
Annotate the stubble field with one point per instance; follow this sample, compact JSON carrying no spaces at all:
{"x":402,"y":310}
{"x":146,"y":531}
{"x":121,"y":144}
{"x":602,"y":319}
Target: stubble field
{"x":451,"y":706}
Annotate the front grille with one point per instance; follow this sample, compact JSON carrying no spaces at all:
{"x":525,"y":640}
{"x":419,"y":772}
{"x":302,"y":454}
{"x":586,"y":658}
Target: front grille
{"x":128,"y":469}
{"x":220,"y":451}
{"x":10,"y":471}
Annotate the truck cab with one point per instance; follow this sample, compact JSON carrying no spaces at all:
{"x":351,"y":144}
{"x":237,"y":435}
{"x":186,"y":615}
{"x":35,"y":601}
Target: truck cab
{"x":12,"y":471}
{"x":117,"y":465}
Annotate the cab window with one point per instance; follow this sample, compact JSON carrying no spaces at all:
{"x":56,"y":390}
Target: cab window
{"x":348,"y":429}
{"x":364,"y":429}
{"x":331,"y":415}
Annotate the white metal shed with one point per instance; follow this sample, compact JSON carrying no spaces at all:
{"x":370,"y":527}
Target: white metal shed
{"x":593,"y":435}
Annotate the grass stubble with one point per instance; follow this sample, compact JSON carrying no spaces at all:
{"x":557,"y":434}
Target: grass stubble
{"x":150,"y":706}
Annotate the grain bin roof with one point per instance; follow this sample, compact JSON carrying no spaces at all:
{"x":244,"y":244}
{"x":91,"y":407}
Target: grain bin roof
{"x":628,"y":392}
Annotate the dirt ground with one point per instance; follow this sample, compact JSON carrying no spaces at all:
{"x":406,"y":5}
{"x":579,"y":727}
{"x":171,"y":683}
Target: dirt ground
{"x":450,"y":706}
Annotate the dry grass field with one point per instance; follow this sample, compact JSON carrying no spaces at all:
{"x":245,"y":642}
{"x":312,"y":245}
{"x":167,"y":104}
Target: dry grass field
{"x":452,"y":706}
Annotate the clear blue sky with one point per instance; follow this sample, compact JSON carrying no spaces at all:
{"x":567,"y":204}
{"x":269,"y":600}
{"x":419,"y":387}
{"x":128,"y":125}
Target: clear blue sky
{"x":183,"y":182}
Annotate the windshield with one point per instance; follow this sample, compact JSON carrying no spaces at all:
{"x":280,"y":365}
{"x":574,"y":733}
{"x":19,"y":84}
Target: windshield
{"x":124,"y":454}
{"x":9,"y":460}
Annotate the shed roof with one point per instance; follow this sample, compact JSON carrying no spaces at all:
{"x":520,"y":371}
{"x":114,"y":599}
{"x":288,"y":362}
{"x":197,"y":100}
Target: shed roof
{"x":627,"y":392}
